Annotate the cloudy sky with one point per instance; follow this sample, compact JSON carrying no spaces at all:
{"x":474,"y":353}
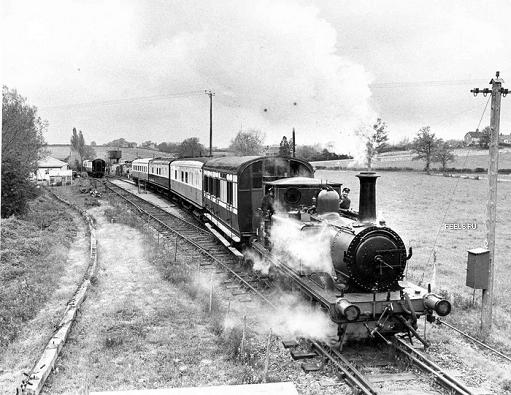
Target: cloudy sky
{"x":139,"y":69}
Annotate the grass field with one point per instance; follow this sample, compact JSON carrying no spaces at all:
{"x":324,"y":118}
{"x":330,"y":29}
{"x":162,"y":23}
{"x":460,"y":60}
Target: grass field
{"x":464,"y":159}
{"x":418,"y":206}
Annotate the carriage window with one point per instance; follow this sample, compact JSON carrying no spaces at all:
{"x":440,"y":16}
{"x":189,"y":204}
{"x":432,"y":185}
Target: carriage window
{"x":292,"y":195}
{"x":217,"y":187}
{"x":229,"y":192}
{"x":244,"y":180}
{"x":257,"y":180}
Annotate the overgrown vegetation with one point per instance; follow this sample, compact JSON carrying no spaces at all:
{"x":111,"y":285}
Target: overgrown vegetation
{"x":22,"y":140}
{"x":235,"y":342}
{"x":33,"y":254}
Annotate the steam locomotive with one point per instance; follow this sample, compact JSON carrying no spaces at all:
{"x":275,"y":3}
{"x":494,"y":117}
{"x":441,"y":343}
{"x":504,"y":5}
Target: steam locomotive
{"x":363,"y":287}
{"x":364,"y":292}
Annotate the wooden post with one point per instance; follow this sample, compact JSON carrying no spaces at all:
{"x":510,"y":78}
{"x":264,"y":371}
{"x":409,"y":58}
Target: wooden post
{"x":267,"y":358}
{"x":242,"y":346}
{"x":210,"y":93}
{"x":487,"y":296}
{"x":487,"y":301}
{"x":211,"y":293}
{"x":175,"y":250}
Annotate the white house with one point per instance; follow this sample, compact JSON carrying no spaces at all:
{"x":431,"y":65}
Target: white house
{"x":53,"y":172}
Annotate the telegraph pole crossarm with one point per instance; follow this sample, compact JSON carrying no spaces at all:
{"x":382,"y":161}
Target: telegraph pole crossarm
{"x":496,"y":93}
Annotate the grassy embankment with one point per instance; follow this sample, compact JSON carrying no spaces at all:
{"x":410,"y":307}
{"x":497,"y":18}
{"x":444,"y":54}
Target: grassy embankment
{"x":466,"y":161}
{"x":244,"y":363}
{"x":33,"y":254}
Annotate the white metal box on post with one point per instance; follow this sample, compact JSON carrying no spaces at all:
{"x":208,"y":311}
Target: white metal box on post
{"x":478,"y":265}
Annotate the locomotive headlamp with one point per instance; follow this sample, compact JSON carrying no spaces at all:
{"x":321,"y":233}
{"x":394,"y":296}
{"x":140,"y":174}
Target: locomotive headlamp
{"x":441,"y":306}
{"x":347,"y":310}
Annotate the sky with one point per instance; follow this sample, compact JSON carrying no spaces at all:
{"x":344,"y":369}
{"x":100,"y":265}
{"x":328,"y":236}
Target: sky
{"x":139,"y":69}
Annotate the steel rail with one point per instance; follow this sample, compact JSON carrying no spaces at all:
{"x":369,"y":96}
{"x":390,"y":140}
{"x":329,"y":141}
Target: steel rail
{"x":446,"y":380}
{"x":195,"y":227}
{"x":243,"y":282}
{"x":440,"y":322}
{"x":349,"y":372}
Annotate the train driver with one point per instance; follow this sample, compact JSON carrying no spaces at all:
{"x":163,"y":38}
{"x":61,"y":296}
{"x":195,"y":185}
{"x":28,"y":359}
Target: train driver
{"x":345,"y":201}
{"x":267,"y":203}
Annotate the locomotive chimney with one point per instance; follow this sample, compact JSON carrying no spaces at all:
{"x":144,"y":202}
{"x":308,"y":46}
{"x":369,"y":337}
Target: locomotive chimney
{"x":367,"y":198}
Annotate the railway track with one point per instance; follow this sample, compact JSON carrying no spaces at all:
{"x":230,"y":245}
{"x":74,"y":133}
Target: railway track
{"x":364,"y":373}
{"x":204,"y":245}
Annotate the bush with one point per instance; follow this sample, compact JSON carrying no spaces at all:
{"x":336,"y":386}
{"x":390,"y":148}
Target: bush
{"x":33,"y":255}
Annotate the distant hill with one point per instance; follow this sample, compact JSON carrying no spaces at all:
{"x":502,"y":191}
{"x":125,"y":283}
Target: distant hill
{"x":65,"y":153}
{"x":465,"y":159}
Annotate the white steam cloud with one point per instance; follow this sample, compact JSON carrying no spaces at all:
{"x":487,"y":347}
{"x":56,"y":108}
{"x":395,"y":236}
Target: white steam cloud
{"x":294,"y":318}
{"x":274,"y":65}
{"x":301,"y":249}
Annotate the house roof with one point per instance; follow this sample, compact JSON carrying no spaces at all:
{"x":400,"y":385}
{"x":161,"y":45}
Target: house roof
{"x":474,"y":134}
{"x":49,"y":162}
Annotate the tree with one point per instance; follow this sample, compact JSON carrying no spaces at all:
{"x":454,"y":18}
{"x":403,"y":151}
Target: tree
{"x":484,"y":140}
{"x":78,"y":144}
{"x":443,"y":154}
{"x":168,"y":147}
{"x":308,"y":152}
{"x":190,"y":148}
{"x":22,"y":141}
{"x":284,"y":149}
{"x":247,"y":143}
{"x":425,"y":145}
{"x":89,"y":152}
{"x":375,"y":140}
{"x":121,"y":143}
{"x":93,"y":144}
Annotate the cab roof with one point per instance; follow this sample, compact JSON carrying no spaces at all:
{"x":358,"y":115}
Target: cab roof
{"x":301,"y":181}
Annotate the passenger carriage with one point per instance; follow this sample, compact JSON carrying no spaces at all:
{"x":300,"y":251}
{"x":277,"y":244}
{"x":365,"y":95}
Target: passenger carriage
{"x":234,"y":188}
{"x":186,"y":180}
{"x":140,"y":169}
{"x":159,"y":173}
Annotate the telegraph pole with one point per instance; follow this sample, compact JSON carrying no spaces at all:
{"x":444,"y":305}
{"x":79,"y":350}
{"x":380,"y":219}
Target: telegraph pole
{"x":496,"y":92}
{"x":210,"y":93}
{"x":294,"y":143}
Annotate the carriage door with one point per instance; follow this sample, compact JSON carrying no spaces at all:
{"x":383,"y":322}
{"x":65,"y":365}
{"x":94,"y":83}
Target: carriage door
{"x":257,"y":193}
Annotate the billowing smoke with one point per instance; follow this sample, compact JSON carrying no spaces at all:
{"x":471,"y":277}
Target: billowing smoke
{"x":295,"y":318}
{"x":274,"y":65}
{"x":301,"y":249}
{"x":258,"y":264}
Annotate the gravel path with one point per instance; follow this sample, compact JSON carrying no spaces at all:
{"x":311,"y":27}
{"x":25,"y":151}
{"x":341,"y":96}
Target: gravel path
{"x":125,"y":335}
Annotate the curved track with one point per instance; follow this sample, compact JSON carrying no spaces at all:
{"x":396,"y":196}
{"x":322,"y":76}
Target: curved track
{"x":352,"y":369}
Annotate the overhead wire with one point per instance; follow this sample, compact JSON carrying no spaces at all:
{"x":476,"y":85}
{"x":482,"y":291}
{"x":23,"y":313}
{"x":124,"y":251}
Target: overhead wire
{"x":128,"y":100}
